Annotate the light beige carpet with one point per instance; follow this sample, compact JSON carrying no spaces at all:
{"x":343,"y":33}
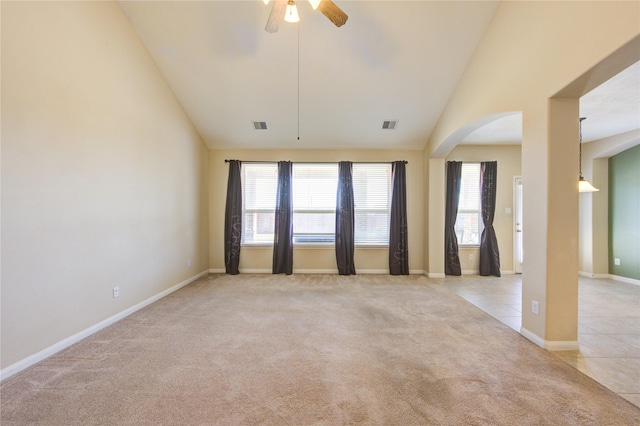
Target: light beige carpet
{"x":306,"y":350}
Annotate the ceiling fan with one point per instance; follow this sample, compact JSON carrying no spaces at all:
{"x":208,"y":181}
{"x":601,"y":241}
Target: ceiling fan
{"x":285,"y":9}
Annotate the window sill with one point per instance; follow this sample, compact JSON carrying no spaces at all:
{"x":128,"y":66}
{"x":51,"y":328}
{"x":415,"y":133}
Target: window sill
{"x":315,"y":246}
{"x":256,"y":246}
{"x":330,"y":246}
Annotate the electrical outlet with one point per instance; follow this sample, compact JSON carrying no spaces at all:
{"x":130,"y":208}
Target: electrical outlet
{"x":535,"y":307}
{"x":116,"y":292}
{"x":189,"y":263}
{"x":470,"y":256}
{"x":616,"y":261}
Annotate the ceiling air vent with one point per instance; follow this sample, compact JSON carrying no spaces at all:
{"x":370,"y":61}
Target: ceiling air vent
{"x":389,"y":125}
{"x":260,"y":125}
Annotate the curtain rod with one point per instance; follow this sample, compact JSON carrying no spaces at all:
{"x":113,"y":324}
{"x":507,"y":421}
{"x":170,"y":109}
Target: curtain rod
{"x":317,"y":162}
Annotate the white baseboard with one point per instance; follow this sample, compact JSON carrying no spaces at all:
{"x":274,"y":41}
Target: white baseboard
{"x":562,"y":345}
{"x":609,"y":276}
{"x":477,"y":272}
{"x":550,"y":345}
{"x":319,"y":271}
{"x":386,"y":271}
{"x":592,"y":275}
{"x":625,"y":279}
{"x":532,"y":337}
{"x":9,"y":371}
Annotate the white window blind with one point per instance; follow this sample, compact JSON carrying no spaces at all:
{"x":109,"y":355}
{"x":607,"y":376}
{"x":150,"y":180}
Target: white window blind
{"x":314,"y":189}
{"x":259,"y":184}
{"x":469,"y":222}
{"x":314,"y":202}
{"x":372,"y":199}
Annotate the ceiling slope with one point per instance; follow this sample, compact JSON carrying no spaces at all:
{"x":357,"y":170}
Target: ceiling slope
{"x":330,"y":87}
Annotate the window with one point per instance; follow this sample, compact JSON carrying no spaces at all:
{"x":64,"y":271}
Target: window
{"x":314,"y":202}
{"x":469,"y":222}
{"x":259,"y":184}
{"x":372,"y":199}
{"x":314,"y":189}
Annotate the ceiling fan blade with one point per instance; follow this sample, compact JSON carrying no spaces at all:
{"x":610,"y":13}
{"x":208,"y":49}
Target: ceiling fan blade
{"x":333,"y":12}
{"x":276,"y":16}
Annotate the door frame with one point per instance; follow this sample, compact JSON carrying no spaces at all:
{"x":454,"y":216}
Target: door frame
{"x":517,"y":226}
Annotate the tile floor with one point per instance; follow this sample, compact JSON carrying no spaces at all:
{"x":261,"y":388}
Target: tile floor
{"x":608,"y":324}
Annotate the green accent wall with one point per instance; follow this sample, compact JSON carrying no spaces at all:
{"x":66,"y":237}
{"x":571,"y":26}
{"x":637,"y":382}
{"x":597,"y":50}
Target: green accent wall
{"x":624,"y":213}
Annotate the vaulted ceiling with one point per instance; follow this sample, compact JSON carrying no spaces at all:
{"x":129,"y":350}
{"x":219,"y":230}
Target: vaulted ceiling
{"x":322,"y":87}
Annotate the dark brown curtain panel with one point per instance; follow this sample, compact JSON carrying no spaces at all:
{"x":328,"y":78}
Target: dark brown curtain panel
{"x":451,"y":259}
{"x":233,"y":219}
{"x":398,"y":234}
{"x":345,"y":218}
{"x":489,"y":254}
{"x":283,"y":238}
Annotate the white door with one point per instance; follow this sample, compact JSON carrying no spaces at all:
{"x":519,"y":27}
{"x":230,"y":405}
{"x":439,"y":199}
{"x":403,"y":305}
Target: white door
{"x":517,"y":224}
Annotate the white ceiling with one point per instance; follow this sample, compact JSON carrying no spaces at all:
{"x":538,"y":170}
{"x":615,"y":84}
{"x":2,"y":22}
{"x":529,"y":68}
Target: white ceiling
{"x":392,"y":60}
{"x":611,"y":109}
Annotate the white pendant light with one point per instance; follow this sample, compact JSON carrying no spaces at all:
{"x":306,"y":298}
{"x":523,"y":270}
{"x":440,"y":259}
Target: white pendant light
{"x":583,"y":184}
{"x":315,"y":3}
{"x":291,"y":15}
{"x":266,"y":2}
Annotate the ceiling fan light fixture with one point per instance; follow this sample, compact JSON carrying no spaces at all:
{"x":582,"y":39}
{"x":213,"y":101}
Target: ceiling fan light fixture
{"x":287,"y":10}
{"x":291,"y":15}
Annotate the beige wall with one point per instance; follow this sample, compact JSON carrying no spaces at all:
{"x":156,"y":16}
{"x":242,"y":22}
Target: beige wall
{"x":520,"y":65}
{"x":104,"y":179}
{"x":310,"y":259}
{"x":436,"y":184}
{"x":531,"y":41}
{"x":509,"y":159}
{"x":425,"y":206}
